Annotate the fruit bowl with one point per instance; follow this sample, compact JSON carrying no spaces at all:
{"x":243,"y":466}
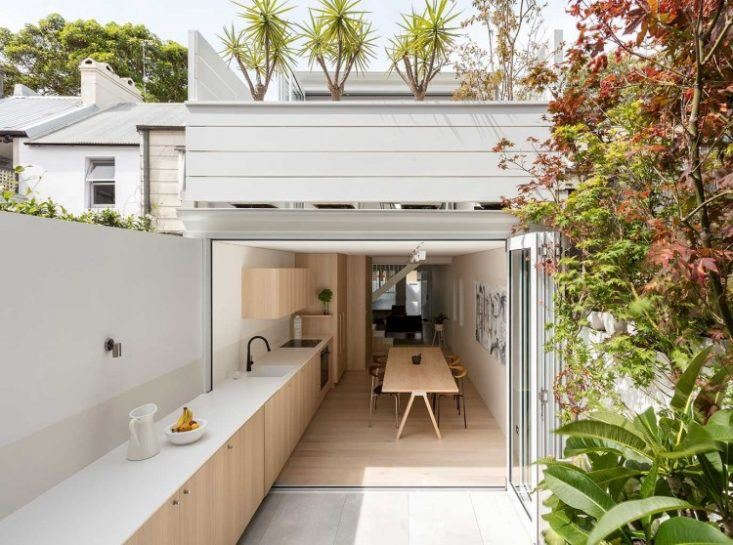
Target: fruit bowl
{"x":186,"y":437}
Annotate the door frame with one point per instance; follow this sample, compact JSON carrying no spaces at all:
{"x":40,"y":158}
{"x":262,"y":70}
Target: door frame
{"x":543,"y":368}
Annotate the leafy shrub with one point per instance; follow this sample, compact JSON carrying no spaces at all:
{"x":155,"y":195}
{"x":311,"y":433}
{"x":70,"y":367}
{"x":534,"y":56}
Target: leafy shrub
{"x":49,"y":209}
{"x":660,"y":479}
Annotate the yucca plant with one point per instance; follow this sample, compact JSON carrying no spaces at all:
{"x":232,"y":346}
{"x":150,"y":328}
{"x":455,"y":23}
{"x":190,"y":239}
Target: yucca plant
{"x":339,"y":39}
{"x":423,"y":47}
{"x":657,"y":478}
{"x":264,"y":47}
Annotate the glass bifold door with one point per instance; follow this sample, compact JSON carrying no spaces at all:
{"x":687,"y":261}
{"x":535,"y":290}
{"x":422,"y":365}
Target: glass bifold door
{"x":531,"y":369}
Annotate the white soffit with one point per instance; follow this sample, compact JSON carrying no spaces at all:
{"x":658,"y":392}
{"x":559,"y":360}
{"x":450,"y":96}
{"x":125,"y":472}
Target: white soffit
{"x":346,"y":225}
{"x":377,"y":248}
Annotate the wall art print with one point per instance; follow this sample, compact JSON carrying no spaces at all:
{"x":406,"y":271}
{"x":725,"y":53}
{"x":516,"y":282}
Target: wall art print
{"x":491,"y":320}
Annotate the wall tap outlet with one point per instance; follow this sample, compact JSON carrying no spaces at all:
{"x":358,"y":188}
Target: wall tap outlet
{"x":111,"y":346}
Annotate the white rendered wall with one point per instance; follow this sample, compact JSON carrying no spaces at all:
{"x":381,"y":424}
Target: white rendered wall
{"x":68,"y":287}
{"x":209,"y":77}
{"x":485,"y":370}
{"x":230,"y":331}
{"x":59,"y":172}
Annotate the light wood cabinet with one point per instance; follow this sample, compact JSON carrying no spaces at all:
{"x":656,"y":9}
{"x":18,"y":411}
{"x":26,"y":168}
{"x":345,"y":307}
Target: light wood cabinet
{"x":287,"y":415}
{"x":215,"y":505}
{"x":196,"y":508}
{"x":274,"y":293}
{"x":162,"y":528}
{"x":328,"y":271}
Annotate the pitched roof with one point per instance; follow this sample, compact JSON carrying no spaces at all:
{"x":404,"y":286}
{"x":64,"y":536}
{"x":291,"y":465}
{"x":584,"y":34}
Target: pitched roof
{"x":118,"y":124}
{"x":34,"y":116}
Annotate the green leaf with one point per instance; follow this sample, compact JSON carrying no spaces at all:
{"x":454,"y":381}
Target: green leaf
{"x":576,"y":489}
{"x":565,"y":528}
{"x":604,"y":476}
{"x":697,"y":441}
{"x":620,"y":515}
{"x":682,"y":397}
{"x":720,"y":426}
{"x":688,"y":531}
{"x":603,"y":430}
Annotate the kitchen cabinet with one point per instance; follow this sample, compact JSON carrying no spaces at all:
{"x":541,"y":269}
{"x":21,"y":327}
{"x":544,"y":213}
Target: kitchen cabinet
{"x":238,"y":476}
{"x":162,"y":528}
{"x":328,"y":271}
{"x":287,"y":415}
{"x":274,"y":293}
{"x":215,"y":505}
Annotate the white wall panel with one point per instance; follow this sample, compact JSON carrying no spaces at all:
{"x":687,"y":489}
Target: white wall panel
{"x":209,"y":78}
{"x":73,"y":285}
{"x":367,"y":138}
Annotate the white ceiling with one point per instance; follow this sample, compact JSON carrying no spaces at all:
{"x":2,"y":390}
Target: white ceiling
{"x":434,"y":248}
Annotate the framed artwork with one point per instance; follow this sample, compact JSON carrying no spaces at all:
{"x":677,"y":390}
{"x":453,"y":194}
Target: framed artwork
{"x":490,"y":315}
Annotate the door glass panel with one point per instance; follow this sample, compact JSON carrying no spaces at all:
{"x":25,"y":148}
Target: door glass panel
{"x":520,"y":373}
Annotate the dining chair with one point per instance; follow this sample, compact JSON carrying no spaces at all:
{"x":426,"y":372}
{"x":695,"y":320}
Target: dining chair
{"x":459,"y":373}
{"x":376,"y":374}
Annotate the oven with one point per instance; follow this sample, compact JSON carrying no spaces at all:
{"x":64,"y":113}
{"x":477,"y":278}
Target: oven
{"x":325,"y":360}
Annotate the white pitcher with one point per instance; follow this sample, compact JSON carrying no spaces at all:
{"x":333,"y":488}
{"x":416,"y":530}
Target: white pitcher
{"x":144,"y":442}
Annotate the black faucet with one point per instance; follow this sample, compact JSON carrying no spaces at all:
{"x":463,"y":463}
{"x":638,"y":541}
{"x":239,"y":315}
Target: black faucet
{"x":249,"y":356}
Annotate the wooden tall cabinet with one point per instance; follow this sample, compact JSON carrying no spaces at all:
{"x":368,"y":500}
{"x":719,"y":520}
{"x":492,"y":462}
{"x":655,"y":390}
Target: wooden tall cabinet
{"x":328,"y":271}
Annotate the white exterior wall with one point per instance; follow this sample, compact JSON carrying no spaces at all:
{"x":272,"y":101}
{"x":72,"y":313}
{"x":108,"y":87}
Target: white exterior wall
{"x":355,"y":152}
{"x":58,"y":172}
{"x":485,"y":370}
{"x":70,"y":286}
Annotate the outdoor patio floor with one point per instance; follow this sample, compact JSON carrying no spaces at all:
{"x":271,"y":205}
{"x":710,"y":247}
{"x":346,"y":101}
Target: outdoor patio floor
{"x":386,"y":517}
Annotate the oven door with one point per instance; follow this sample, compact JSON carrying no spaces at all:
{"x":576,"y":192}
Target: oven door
{"x":325,"y":365}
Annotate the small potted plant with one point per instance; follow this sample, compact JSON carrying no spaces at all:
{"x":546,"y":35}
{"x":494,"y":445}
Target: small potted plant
{"x":325,"y":296}
{"x":439,"y":320}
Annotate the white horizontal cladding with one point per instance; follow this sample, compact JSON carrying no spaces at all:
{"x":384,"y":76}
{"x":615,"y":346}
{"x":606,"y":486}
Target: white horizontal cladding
{"x":343,"y":164}
{"x":303,"y":224}
{"x":365,"y":151}
{"x":356,"y":189}
{"x":367,"y":114}
{"x":392,"y":139}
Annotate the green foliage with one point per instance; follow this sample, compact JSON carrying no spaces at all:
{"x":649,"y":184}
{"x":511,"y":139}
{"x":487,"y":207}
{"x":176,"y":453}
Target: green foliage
{"x":423,"y":46}
{"x":325,"y":295}
{"x":263,"y":47}
{"x":339,"y":39}
{"x":46,"y":57}
{"x":659,"y":478}
{"x":49,"y":209}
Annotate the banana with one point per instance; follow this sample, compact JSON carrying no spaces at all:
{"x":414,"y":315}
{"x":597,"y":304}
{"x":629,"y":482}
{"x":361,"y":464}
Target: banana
{"x":184,"y":421}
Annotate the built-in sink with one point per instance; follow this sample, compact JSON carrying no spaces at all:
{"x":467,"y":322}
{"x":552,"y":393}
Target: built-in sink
{"x":301,"y":343}
{"x":270,"y":370}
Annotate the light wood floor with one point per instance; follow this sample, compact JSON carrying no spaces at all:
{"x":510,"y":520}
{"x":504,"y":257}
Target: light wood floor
{"x":339,"y":449}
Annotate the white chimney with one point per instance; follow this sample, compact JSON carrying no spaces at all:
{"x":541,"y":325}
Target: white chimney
{"x":102,"y":87}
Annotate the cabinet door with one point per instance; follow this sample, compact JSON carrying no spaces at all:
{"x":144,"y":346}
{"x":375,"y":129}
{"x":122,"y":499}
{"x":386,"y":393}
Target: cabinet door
{"x":228,"y":465}
{"x":253,"y":445}
{"x":197,"y":507}
{"x":276,"y":416}
{"x":162,"y":528}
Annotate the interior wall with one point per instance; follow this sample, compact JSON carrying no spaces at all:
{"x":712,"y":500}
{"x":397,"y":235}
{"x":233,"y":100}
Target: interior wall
{"x":230,"y":332}
{"x":485,"y":370}
{"x":68,"y":287}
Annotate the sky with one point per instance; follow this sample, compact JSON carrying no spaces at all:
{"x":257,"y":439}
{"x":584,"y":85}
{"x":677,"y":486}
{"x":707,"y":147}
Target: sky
{"x":171,"y":19}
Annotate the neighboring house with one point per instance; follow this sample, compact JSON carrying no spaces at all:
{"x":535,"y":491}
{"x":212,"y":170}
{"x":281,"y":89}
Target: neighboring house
{"x":85,"y":152}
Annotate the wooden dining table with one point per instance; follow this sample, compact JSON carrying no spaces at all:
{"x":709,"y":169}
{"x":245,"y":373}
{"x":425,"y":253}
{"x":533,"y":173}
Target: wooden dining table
{"x":431,"y":376}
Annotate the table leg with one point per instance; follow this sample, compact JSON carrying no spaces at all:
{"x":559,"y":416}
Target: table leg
{"x":432,"y":416}
{"x":407,"y":413}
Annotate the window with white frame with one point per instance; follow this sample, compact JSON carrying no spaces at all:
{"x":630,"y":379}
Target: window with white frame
{"x":101,"y":182}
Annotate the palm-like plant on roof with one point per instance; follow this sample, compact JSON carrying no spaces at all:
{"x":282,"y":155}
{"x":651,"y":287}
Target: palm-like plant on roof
{"x":264,"y":47}
{"x":339,"y":39}
{"x":423,"y":46}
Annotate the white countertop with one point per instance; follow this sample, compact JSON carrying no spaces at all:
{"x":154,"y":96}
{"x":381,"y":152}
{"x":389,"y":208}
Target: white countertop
{"x":106,"y":502}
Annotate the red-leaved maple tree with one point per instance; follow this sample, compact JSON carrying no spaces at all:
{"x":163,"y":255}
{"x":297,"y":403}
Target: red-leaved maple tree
{"x":642,"y":142}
